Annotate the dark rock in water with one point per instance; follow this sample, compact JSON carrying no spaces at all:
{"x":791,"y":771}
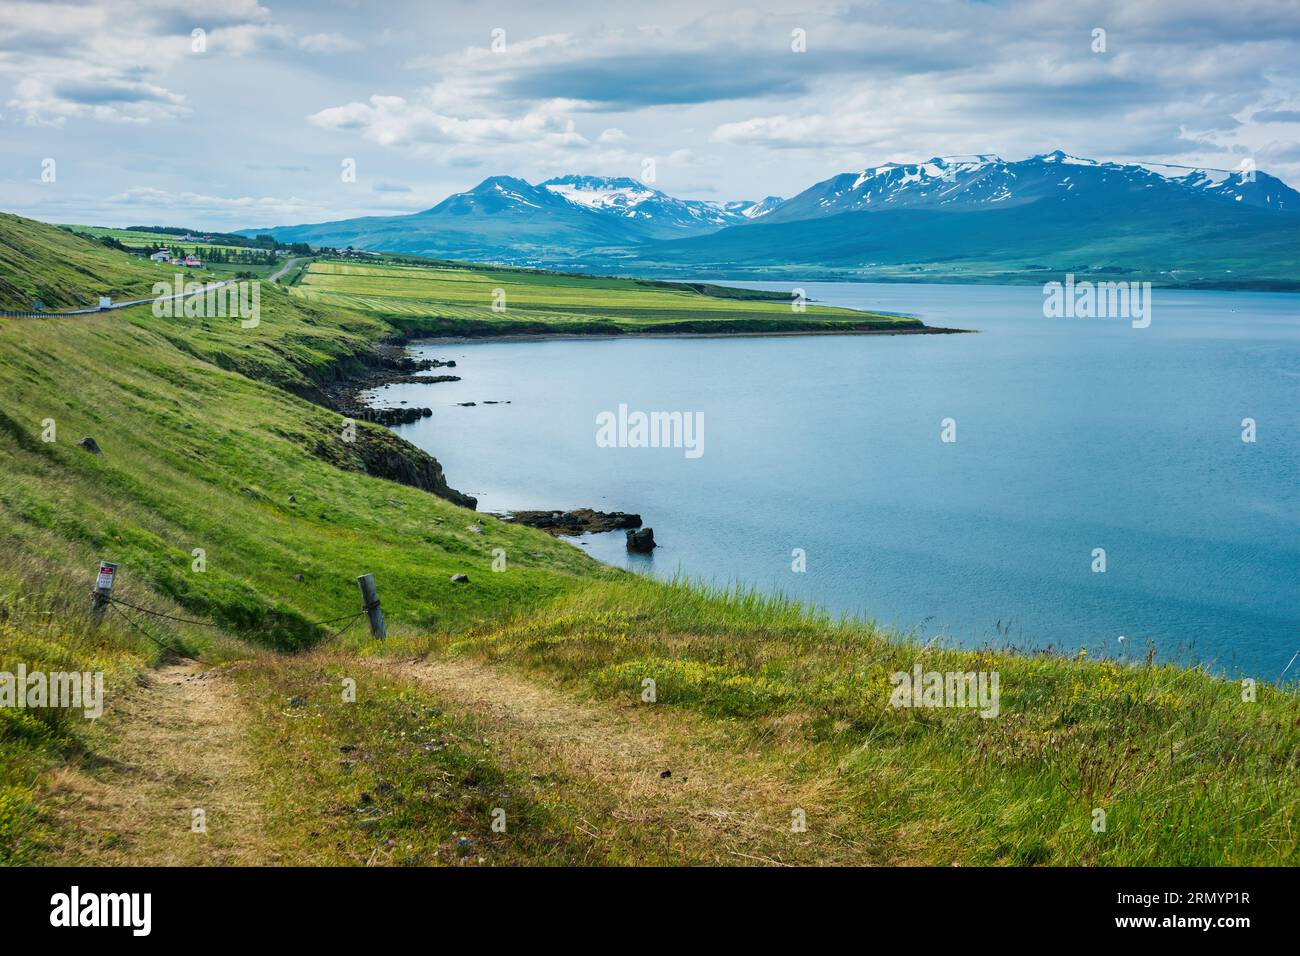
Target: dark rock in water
{"x":580,"y":521}
{"x":392,"y":416}
{"x":90,"y":445}
{"x":642,"y":541}
{"x":466,"y":404}
{"x":396,"y":359}
{"x":460,"y":579}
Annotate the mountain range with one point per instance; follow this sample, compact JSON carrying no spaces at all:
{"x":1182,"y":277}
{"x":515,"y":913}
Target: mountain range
{"x":955,"y":218}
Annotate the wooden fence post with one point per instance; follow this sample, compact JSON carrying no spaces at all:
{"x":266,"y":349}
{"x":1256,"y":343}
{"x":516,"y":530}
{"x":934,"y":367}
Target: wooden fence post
{"x":370,"y":604}
{"x":99,"y":600}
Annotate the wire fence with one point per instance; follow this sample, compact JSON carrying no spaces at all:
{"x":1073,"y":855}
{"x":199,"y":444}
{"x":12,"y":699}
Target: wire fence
{"x":114,"y":602}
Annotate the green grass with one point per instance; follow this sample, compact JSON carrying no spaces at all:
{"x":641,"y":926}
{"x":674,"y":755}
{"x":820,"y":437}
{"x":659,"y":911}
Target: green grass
{"x":1187,"y":772}
{"x":391,"y":778}
{"x":208,"y":431}
{"x":441,"y":299}
{"x":44,"y":626}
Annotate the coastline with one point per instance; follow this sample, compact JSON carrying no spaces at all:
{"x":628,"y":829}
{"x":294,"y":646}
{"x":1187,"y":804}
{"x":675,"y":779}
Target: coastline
{"x":394,"y":363}
{"x":391,"y":360}
{"x":626,"y":336}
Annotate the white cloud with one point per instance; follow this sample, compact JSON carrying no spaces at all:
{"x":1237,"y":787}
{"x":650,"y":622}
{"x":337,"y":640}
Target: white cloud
{"x":398,"y":122}
{"x":188,"y":205}
{"x":327,"y":43}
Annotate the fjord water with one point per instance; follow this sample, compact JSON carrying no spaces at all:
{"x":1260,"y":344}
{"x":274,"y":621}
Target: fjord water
{"x":1072,"y":435}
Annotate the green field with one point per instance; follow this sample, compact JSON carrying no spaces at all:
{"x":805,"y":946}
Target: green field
{"x":521,"y":690}
{"x":460,"y":300}
{"x":144,"y":239}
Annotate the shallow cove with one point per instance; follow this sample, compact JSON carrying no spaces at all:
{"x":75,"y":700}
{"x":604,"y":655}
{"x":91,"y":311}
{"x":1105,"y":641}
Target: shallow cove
{"x":1072,"y":434}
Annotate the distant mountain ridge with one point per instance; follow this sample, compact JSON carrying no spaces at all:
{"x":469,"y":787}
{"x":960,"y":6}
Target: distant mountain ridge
{"x":1014,"y":220}
{"x":965,"y":182}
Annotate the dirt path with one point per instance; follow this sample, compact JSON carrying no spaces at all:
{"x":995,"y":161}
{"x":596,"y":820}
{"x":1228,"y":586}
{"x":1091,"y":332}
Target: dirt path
{"x":164,"y":750}
{"x":672,"y":778}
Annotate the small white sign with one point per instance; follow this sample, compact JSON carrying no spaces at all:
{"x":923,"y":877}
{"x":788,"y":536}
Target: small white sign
{"x":105,"y":580}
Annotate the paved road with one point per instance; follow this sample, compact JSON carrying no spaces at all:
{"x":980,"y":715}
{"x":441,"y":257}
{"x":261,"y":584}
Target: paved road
{"x":124,"y":304}
{"x":287,"y":266}
{"x":127,"y":303}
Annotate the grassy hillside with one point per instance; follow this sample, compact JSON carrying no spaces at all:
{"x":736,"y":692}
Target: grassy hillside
{"x":519,"y":691}
{"x":461,"y":301}
{"x":41,"y":263}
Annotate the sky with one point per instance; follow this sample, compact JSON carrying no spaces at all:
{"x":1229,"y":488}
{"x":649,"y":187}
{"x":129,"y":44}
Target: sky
{"x":225,"y":114}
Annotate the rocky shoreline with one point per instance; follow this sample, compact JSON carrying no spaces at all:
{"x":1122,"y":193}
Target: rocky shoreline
{"x":578,"y":521}
{"x":378,"y":451}
{"x":392,"y":365}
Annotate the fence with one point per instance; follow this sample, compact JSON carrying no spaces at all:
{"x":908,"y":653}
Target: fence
{"x":101,"y":600}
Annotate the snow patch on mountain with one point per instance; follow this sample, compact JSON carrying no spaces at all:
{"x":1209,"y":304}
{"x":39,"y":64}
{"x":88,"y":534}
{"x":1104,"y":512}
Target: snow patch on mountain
{"x":621,"y":196}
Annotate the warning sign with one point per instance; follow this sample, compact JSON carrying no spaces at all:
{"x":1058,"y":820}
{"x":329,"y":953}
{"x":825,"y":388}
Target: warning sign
{"x":105,"y":580}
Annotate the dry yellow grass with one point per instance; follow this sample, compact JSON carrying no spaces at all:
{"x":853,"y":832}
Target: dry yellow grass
{"x":175,"y":744}
{"x":720,"y":803}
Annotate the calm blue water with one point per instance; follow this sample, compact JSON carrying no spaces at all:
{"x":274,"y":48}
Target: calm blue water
{"x":1072,"y":434}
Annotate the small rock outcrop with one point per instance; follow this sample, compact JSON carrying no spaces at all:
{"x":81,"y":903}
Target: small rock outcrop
{"x":641,"y":540}
{"x":383,"y":454}
{"x":392,"y":416}
{"x":90,"y":445}
{"x":579,"y":521}
{"x":460,"y":579}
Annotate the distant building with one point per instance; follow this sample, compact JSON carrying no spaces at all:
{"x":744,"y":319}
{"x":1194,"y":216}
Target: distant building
{"x":193,"y":260}
{"x":105,"y":301}
{"x":162,"y":255}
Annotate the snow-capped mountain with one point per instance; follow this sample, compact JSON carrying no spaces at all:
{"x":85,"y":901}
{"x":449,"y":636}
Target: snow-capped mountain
{"x":756,"y":210}
{"x":1032,"y":216}
{"x":498,"y":194}
{"x":985,"y":181}
{"x":659,"y":212}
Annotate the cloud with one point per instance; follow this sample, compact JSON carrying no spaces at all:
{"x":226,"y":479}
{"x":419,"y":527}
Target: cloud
{"x":398,"y":122}
{"x":193,"y":204}
{"x":656,"y":79}
{"x":47,"y":102}
{"x":1277,"y":116}
{"x":327,"y":43}
{"x":712,"y":89}
{"x":105,"y":61}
